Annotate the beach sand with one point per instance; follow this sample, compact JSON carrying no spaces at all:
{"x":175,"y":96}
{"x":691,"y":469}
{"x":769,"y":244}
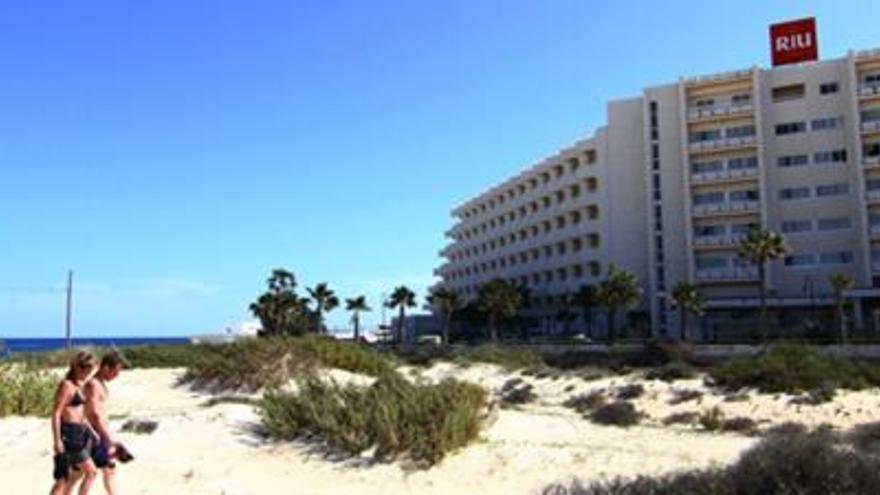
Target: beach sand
{"x":214,"y":450}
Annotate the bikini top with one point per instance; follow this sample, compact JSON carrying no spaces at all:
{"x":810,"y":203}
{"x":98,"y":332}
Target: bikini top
{"x":77,"y":399}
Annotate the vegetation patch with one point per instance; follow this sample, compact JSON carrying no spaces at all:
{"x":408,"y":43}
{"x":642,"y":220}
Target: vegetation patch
{"x":518,"y":396}
{"x":712,"y":419}
{"x":742,"y":424}
{"x":26,"y":391}
{"x":632,"y":391}
{"x":676,"y":370}
{"x":393,"y":417}
{"x":865,"y":437}
{"x":256,"y":363}
{"x":507,"y":357}
{"x":688,"y":417}
{"x":585,"y":403}
{"x":798,"y":463}
{"x":230,"y":399}
{"x":794,"y":369}
{"x":140,"y":427}
{"x":685,"y":395}
{"x":618,"y":413}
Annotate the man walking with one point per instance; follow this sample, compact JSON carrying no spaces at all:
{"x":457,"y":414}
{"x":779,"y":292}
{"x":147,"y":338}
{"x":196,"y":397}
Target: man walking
{"x":106,"y":448}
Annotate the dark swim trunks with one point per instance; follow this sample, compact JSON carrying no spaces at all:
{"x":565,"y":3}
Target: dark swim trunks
{"x":77,"y":440}
{"x":101,"y":455}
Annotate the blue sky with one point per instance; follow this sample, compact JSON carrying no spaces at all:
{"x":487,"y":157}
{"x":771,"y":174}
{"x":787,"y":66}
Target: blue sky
{"x":172,"y":153}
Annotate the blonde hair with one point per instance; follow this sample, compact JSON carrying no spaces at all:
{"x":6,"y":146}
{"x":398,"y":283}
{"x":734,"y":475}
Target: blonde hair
{"x":82,"y":361}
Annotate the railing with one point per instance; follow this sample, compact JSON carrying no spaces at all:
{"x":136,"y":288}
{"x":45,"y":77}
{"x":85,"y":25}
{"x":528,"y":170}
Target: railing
{"x":873,"y":195}
{"x":874,"y":230}
{"x":872,"y":161}
{"x":722,"y":175}
{"x":720,"y":111}
{"x":718,"y":240}
{"x":721,"y":274}
{"x":723,"y":143}
{"x":875,"y":266}
{"x":871,"y":126}
{"x":722,"y":76}
{"x":724,"y":208}
{"x":869,"y":89}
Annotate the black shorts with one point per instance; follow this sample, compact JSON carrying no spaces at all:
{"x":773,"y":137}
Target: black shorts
{"x":78,"y":441}
{"x":101,"y":456}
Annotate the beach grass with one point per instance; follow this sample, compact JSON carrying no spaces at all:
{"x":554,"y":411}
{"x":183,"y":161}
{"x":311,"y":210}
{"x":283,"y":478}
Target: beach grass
{"x":392,"y":417}
{"x":26,"y":391}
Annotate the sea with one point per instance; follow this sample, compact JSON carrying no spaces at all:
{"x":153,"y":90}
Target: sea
{"x":43,"y":345}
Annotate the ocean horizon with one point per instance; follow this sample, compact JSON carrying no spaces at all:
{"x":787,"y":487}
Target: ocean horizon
{"x":16,"y":345}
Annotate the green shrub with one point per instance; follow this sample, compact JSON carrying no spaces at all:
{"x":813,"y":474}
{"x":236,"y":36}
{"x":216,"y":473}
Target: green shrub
{"x":518,"y":396}
{"x":394,"y":416}
{"x":585,"y":403}
{"x":795,"y":464}
{"x":26,"y":391}
{"x":794,"y":369}
{"x":682,"y":396}
{"x":507,"y":357}
{"x":681,"y":418}
{"x":618,"y":413}
{"x":742,"y":424}
{"x":712,"y":419}
{"x":163,"y":356}
{"x":675,"y":370}
{"x":255,"y":363}
{"x":631,"y":391}
{"x":865,"y":437}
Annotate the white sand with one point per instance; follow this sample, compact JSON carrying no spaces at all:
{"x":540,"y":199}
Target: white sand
{"x":212,"y":450}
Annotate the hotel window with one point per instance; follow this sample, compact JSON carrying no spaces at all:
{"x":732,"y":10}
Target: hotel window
{"x":787,"y":93}
{"x":840,"y":223}
{"x":741,"y":99}
{"x":794,"y":193}
{"x":595,"y":268}
{"x":790,"y":128}
{"x":743,"y":228}
{"x":792,"y":160}
{"x":795,"y":226}
{"x":745,"y":195}
{"x":826,"y":123}
{"x":871,"y":150}
{"x":575,"y":217}
{"x":575,"y":190}
{"x":560,"y":196}
{"x":593,"y":240}
{"x":742,"y":163}
{"x":559,"y":170}
{"x":577,"y":271}
{"x":832,"y":190}
{"x":701,"y":136}
{"x":740,"y":131}
{"x":703,"y":167}
{"x":560,"y":222}
{"x":574,"y":164}
{"x":536,"y":278}
{"x":800,"y":260}
{"x":523,"y":257}
{"x":709,"y":230}
{"x":835,"y":156}
{"x":547,"y":226}
{"x":709,"y":198}
{"x":703,"y":263}
{"x":592,"y":184}
{"x":545,"y":201}
{"x":592,"y":212}
{"x":872,"y":184}
{"x":548,"y":251}
{"x":562,"y":274}
{"x":576,"y":244}
{"x":548,"y":276}
{"x":706,"y":103}
{"x":535,"y":254}
{"x":871,"y":115}
{"x":829,"y":88}
{"x":836,"y":258}
{"x":560,"y":248}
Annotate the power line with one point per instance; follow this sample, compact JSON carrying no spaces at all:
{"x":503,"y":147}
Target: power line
{"x":32,"y":289}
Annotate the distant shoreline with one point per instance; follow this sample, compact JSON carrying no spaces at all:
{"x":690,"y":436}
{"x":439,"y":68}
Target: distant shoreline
{"x":18,"y":345}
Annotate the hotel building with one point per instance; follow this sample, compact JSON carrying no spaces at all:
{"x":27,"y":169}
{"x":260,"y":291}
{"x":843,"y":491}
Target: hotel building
{"x":669,"y":187}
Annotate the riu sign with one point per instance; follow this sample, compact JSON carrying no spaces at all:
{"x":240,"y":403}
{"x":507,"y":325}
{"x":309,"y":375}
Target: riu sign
{"x":794,"y":41}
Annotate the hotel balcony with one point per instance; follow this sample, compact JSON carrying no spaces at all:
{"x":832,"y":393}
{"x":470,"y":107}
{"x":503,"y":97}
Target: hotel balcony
{"x":721,"y":176}
{"x":872,"y":195}
{"x":869,"y":90}
{"x":871,"y":127}
{"x":717,"y":241}
{"x":719,"y":112}
{"x":872,"y":162}
{"x":738,"y":274}
{"x":875,"y":266}
{"x":721,"y":209}
{"x":874,"y":232}
{"x":722,"y":144}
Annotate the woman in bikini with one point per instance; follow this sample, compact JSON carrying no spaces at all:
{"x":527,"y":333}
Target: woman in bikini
{"x":71,"y":432}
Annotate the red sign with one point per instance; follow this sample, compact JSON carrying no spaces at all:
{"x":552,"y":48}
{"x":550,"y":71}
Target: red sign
{"x":794,"y":41}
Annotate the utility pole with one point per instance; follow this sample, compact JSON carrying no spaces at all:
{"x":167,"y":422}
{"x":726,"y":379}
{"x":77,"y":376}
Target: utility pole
{"x":69,"y":301}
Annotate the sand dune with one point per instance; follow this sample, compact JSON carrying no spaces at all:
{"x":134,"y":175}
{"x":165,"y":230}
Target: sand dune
{"x":214,"y":450}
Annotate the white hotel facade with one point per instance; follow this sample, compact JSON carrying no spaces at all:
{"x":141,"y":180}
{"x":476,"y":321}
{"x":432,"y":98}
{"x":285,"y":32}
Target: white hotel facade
{"x":672,"y":183}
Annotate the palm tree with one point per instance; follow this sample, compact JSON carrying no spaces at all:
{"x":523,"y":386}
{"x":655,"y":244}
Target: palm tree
{"x":619,"y":290}
{"x":841,"y":282}
{"x":446,"y":302}
{"x":356,"y":305}
{"x":325,"y":302}
{"x":500,"y":300}
{"x":279,"y":309}
{"x":688,"y":300}
{"x":585,"y":297}
{"x":401,"y":298}
{"x":758,"y":247}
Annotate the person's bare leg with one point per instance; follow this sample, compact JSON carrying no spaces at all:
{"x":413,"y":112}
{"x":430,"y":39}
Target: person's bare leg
{"x":110,"y":480}
{"x":59,"y":488}
{"x":72,"y":479}
{"x":90,"y":472}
